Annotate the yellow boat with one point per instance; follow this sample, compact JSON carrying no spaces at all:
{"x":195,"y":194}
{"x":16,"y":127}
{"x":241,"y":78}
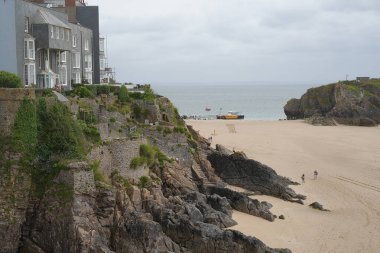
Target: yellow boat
{"x":230,"y":115}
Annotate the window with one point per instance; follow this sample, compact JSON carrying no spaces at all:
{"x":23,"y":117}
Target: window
{"x":74,"y":41}
{"x":67,"y":34}
{"x":102,"y":63}
{"x":29,"y":49}
{"x":26,"y":25}
{"x":88,"y":77}
{"x":40,"y":60}
{"x":29,"y":74}
{"x":63,"y":75}
{"x":52,"y":32}
{"x":86,"y":45}
{"x":101,"y":45}
{"x":57,"y":32}
{"x":26,"y":49}
{"x":76,"y":77}
{"x":88,"y":62}
{"x":63,"y":56}
{"x":62,"y":33}
{"x":76,"y":60}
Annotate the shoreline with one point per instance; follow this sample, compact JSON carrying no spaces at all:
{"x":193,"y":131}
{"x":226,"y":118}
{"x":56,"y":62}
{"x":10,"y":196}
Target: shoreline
{"x":348,"y":161}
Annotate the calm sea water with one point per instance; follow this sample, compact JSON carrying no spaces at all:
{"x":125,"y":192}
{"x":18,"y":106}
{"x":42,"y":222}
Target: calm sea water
{"x":260,"y":102}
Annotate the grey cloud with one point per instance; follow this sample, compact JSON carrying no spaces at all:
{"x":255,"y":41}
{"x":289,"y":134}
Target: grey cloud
{"x":183,"y":40}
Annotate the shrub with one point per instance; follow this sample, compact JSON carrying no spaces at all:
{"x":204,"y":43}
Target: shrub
{"x":123,"y":95}
{"x":103,"y":89}
{"x":150,"y":156}
{"x":143,"y":181}
{"x":137,"y":111}
{"x":91,"y":132}
{"x":167,"y":130}
{"x":83,"y":92}
{"x":137,"y":162}
{"x":9,"y":80}
{"x":58,"y":133}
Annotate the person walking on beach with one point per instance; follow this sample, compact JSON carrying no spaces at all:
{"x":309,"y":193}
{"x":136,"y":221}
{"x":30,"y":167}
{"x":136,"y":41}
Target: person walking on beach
{"x":315,"y":174}
{"x":303,"y":178}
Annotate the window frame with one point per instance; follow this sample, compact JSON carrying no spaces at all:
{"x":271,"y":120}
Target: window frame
{"x":86,"y":47}
{"x":74,"y":41}
{"x":26,"y":25}
{"x":29,"y":49}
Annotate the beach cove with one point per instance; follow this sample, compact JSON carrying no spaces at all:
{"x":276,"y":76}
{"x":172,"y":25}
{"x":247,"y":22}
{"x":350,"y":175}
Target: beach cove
{"x":348,"y":161}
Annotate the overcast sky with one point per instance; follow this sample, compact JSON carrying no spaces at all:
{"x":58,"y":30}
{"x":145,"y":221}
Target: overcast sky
{"x":289,"y":41}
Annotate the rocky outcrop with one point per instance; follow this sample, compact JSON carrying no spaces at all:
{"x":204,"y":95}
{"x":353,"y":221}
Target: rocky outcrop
{"x":242,"y":203}
{"x":236,"y":169}
{"x":349,"y":103}
{"x":173,"y":202}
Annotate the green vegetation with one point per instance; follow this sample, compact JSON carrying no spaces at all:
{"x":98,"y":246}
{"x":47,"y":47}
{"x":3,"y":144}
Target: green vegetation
{"x":95,"y":167}
{"x":24,"y":133}
{"x":9,"y":80}
{"x":123,"y":95}
{"x":143,"y":181}
{"x":115,"y":175}
{"x":103,"y":89}
{"x":136,"y":111}
{"x":150,"y":156}
{"x":59,"y":134}
{"x":355,"y":89}
{"x":83,"y":92}
{"x":91,"y":132}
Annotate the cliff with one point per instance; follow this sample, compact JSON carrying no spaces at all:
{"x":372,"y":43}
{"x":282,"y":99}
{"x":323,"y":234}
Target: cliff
{"x":106,"y":173}
{"x":350,"y":103}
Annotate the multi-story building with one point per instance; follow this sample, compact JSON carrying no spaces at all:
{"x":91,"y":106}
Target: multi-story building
{"x":44,"y":43}
{"x":107,"y":75}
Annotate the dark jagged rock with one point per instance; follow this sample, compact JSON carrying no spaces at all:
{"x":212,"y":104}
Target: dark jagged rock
{"x":349,"y":103}
{"x":281,"y":217}
{"x":243,"y":203}
{"x":318,"y":206}
{"x":237,"y":170}
{"x":223,"y":150}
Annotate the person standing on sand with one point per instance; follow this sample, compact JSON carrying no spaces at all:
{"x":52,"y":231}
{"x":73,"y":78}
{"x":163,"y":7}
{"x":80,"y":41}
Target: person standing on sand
{"x":315,"y":174}
{"x":303,"y":178}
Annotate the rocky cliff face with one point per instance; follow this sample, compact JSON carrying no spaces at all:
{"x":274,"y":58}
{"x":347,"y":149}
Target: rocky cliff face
{"x":172,"y":200}
{"x":347,"y":103}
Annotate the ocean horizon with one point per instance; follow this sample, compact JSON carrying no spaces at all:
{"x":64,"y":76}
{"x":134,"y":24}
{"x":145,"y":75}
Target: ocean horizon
{"x":255,"y":101}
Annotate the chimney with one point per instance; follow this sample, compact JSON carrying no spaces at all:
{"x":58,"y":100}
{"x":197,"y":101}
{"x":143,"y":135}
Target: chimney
{"x":71,"y":10}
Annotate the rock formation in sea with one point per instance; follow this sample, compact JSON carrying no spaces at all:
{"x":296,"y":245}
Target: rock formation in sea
{"x":104,"y":173}
{"x":348,"y":102}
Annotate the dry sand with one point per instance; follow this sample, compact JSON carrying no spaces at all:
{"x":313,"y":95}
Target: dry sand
{"x":348,"y":161}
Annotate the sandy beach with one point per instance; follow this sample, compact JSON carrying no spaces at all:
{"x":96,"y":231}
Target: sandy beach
{"x":348,"y":161}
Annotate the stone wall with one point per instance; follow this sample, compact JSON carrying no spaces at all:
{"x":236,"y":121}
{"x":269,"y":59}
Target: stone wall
{"x":117,"y":156}
{"x":10,"y":101}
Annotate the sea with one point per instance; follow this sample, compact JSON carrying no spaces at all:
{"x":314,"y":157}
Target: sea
{"x":255,"y":101}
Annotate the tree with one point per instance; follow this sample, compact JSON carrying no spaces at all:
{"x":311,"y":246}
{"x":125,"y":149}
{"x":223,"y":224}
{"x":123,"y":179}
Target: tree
{"x":9,"y":80}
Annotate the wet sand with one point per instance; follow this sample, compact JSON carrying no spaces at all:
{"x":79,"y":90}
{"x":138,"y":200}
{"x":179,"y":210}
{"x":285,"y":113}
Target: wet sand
{"x":348,"y":161}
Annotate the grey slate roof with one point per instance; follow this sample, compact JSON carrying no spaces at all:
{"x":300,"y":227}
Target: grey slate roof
{"x":44,"y":17}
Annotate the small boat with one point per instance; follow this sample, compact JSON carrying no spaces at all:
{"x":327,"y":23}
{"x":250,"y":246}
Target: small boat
{"x":230,"y":115}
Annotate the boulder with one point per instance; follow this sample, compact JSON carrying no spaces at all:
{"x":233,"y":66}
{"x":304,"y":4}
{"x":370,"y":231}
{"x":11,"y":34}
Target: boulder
{"x":318,"y":206}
